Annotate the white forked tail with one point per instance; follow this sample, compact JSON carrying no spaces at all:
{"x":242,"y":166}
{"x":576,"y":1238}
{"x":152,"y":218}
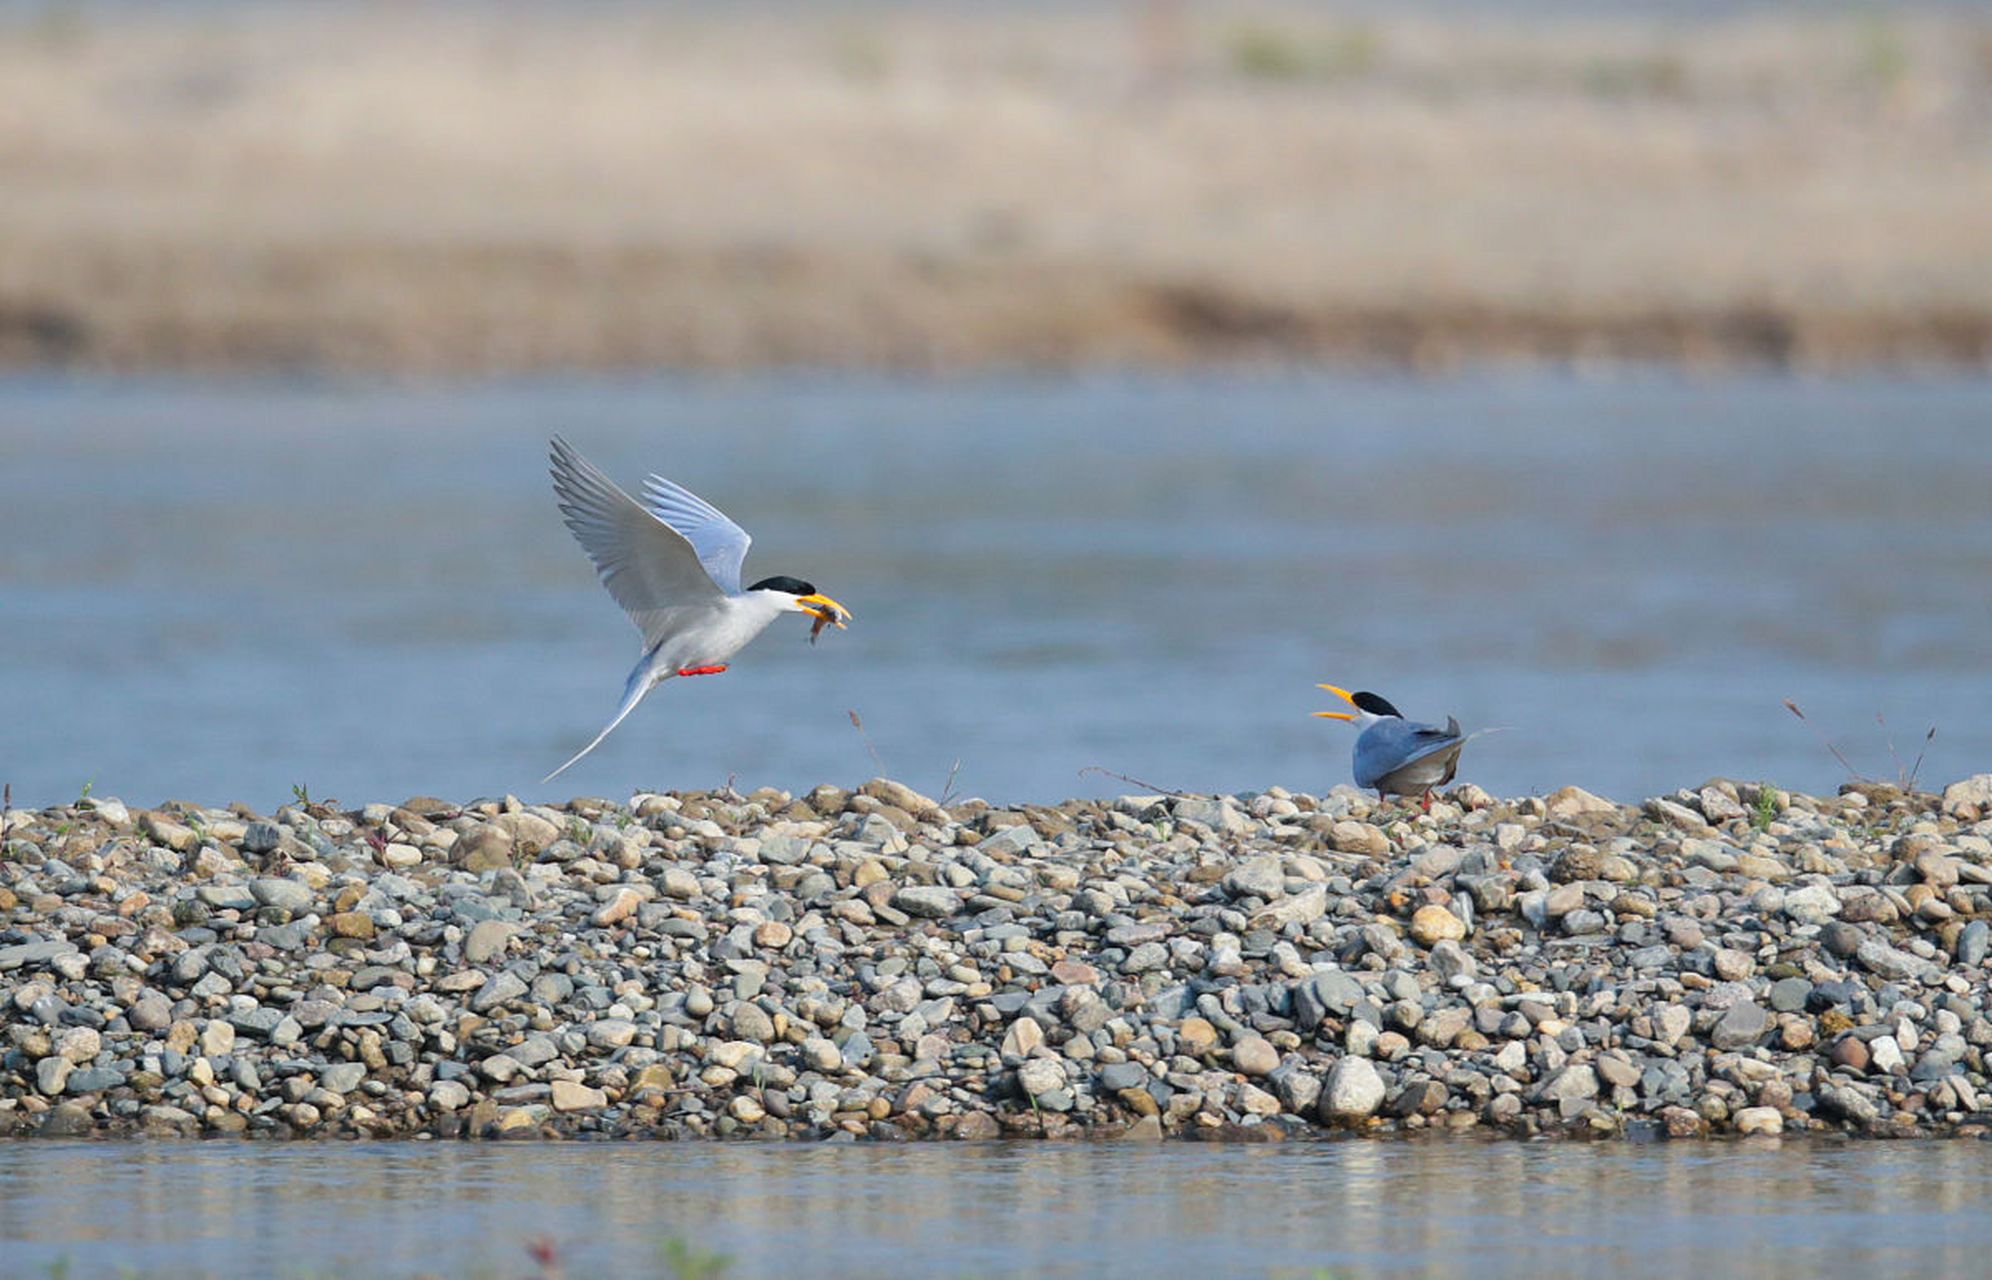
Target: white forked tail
{"x":639,"y":684}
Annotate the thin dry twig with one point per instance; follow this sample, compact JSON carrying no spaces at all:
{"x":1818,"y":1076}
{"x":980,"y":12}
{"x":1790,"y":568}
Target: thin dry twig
{"x":1121,"y":777}
{"x":1905,"y":780}
{"x":1826,"y":742}
{"x":857,"y":722}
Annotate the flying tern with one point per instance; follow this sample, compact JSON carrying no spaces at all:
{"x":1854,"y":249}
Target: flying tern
{"x":672,"y":562}
{"x":1394,"y":755}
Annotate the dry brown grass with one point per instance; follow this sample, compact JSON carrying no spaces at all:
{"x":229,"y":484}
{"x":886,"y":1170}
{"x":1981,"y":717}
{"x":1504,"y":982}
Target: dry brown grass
{"x":445,"y":190}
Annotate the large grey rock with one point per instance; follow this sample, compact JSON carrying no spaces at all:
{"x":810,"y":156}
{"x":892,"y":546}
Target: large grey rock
{"x":1305,"y":907}
{"x":1740,"y":1026}
{"x":1969,"y":798}
{"x":1010,"y":841}
{"x":52,"y":1074}
{"x":487,"y":940}
{"x":497,"y":989}
{"x":1972,"y":943}
{"x":1578,"y":1080}
{"x":932,"y":901}
{"x":1354,"y":1090}
{"x":1255,"y":878}
{"x":342,"y":1077}
{"x":1811,"y":904}
{"x":1877,"y":957}
{"x":285,"y":894}
{"x":33,"y":953}
{"x":1040,"y":1076}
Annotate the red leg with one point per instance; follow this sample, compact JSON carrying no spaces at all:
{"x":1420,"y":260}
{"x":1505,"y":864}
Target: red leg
{"x":702,"y":671}
{"x":1428,"y":799}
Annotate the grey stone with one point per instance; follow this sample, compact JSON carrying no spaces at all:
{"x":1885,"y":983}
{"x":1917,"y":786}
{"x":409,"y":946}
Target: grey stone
{"x":1017,"y":839}
{"x":448,"y":1095}
{"x":1741,"y":1025}
{"x":1972,"y":943}
{"x":289,"y":895}
{"x":931,"y":901}
{"x":1255,"y":878}
{"x":487,"y":940}
{"x":1354,"y":1090}
{"x":150,"y":1012}
{"x":1879,"y":958}
{"x":1841,"y":940}
{"x":1575,"y":1081}
{"x":751,"y":1022}
{"x":95,"y":1080}
{"x":1040,"y":1076}
{"x":32,"y":953}
{"x":52,"y":1074}
{"x":497,"y":989}
{"x":342,"y":1077}
{"x":1788,"y":995}
{"x":1332,"y":991}
{"x":1122,"y":1075}
{"x":291,"y":936}
{"x":261,"y":837}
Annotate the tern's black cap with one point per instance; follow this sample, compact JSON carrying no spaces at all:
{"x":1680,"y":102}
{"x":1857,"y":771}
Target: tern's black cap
{"x":794,"y":586}
{"x":1375,"y":705}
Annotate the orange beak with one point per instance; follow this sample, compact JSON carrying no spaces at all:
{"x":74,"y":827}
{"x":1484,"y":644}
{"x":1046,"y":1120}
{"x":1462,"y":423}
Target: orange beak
{"x":1341,"y":693}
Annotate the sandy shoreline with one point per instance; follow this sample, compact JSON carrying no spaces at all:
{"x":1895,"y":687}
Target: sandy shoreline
{"x":875,"y":965}
{"x":433,"y":191}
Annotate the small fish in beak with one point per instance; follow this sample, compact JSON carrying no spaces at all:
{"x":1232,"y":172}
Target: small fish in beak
{"x":828,"y":613}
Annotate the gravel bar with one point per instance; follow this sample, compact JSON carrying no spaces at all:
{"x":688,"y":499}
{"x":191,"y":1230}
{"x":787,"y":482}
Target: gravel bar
{"x":877,"y":965}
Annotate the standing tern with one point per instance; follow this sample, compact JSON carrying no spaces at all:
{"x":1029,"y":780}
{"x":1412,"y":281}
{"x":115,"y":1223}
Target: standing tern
{"x":673,"y":563}
{"x":1395,"y":755}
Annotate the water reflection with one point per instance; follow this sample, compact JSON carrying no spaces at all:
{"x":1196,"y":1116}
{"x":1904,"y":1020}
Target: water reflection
{"x":1412,"y":1209}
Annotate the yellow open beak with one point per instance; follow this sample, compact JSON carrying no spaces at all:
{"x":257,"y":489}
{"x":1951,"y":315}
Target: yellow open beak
{"x":1341,"y":693}
{"x":824,"y":609}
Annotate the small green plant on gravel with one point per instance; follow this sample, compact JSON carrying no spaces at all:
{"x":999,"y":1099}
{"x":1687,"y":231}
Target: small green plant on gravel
{"x":1766,"y":811}
{"x":301,"y":793}
{"x":84,"y":794}
{"x":686,"y":1261}
{"x":579,"y":831}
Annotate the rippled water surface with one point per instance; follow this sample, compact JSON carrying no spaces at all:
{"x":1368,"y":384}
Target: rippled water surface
{"x":214,"y":592}
{"x":1037,"y":1210}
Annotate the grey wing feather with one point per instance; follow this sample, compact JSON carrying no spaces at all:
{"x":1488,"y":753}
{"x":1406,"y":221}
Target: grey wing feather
{"x":720,"y":543}
{"x":650,"y":568}
{"x":1432,"y":733}
{"x":1385,"y":748}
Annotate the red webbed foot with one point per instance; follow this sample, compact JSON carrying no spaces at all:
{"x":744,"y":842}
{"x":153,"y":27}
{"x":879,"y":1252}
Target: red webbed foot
{"x":702,"y":671}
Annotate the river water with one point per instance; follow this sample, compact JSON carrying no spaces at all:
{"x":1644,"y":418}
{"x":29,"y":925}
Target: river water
{"x":1338,"y":1209}
{"x":216,"y":591}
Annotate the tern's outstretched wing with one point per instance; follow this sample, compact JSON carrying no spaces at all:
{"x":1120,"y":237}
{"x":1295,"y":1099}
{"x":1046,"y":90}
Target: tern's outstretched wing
{"x":650,"y":568}
{"x":721,"y":544}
